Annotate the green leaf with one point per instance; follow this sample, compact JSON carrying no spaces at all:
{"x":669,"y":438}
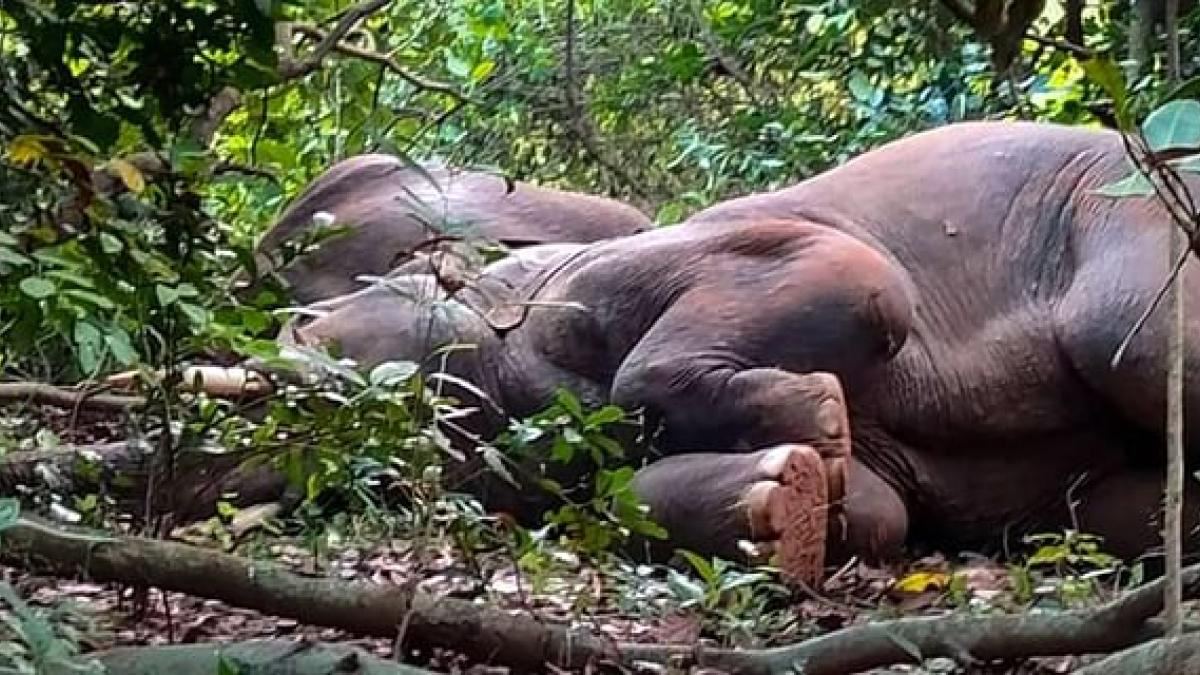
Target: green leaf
{"x":227,"y":667}
{"x":69,"y":276}
{"x":11,"y":257}
{"x":702,"y":566}
{"x":569,"y":403}
{"x":1174,"y":126}
{"x":91,"y":298}
{"x":10,"y":512}
{"x":608,"y":445}
{"x":1187,"y":89}
{"x":89,"y":346}
{"x":457,"y":66}
{"x":392,"y":373}
{"x":195,"y":313}
{"x":482,"y":70}
{"x":120,"y":347}
{"x":684,"y":588}
{"x":167,"y":296}
{"x":860,"y":87}
{"x":38,"y":287}
{"x":495,"y":461}
{"x":1108,"y":77}
{"x":1133,"y":185}
{"x":606,"y":415}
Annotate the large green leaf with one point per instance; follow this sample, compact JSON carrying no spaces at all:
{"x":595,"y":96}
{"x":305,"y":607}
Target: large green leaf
{"x":1133,"y":185}
{"x":38,"y":287}
{"x":1174,"y":126}
{"x":1108,"y":76}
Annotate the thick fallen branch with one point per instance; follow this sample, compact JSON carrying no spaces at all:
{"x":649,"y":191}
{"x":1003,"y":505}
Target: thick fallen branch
{"x":255,"y":656}
{"x":37,"y":392}
{"x":1166,"y":656}
{"x":482,"y":633}
{"x":1116,"y":625}
{"x":522,"y":641}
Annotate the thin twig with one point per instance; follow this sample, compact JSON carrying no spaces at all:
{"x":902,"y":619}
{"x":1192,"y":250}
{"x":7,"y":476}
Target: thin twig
{"x":1061,"y":45}
{"x":385,"y":60}
{"x":290,"y":70}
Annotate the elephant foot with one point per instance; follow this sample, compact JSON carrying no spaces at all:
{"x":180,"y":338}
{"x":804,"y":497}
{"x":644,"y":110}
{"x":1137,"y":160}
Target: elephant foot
{"x":777,"y":499}
{"x":789,"y":510}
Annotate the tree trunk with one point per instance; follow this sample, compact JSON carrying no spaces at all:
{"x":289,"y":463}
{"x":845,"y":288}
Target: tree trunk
{"x":1141,"y":30}
{"x":1173,"y":518}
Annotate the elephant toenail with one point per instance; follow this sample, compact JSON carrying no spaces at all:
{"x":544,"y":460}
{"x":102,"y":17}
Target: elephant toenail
{"x":829,"y":418}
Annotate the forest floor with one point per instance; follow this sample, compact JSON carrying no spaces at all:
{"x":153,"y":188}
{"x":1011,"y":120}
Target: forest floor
{"x":725,"y":605}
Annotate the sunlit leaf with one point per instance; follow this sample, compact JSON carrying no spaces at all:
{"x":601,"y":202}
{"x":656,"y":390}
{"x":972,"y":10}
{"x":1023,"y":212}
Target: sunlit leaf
{"x":919,"y":582}
{"x":1108,"y":76}
{"x":130,"y":175}
{"x":26,"y":149}
{"x":482,"y":70}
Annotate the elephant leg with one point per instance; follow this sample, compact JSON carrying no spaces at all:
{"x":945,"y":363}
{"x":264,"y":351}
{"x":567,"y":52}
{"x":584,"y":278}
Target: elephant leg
{"x":1126,"y":510}
{"x":1095,"y":316}
{"x":776,"y":499}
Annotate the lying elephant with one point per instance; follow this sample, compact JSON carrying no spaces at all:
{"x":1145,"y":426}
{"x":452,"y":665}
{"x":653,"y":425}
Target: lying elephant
{"x":391,"y":209}
{"x":914,"y":346}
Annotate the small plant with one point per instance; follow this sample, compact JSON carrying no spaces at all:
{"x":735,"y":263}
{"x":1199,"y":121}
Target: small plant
{"x":730,"y":602}
{"x":33,"y":641}
{"x":600,"y":509}
{"x":1066,"y":567}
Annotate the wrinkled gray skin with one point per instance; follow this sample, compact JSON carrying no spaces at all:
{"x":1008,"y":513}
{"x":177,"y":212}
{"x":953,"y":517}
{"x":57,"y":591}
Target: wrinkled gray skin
{"x":392,"y":209}
{"x":966,"y":285}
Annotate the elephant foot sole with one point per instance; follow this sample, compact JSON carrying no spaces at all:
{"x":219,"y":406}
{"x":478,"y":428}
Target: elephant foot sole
{"x":791,"y":512}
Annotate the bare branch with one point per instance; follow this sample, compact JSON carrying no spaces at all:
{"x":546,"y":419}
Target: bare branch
{"x":222,"y":104}
{"x":578,"y":120}
{"x":290,"y":69}
{"x":1072,"y":48}
{"x":37,"y":392}
{"x":713,"y":44}
{"x":379,"y":58}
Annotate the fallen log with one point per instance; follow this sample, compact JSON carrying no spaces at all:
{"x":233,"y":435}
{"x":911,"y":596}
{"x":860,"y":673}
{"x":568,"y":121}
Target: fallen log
{"x":254,"y":656}
{"x":64,"y":397}
{"x":1165,"y":656}
{"x":523,"y":642}
{"x":482,"y":633}
{"x":1119,"y":624}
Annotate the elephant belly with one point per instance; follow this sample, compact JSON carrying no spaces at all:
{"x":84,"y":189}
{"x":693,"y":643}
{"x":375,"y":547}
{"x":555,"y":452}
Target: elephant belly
{"x":989,"y":495}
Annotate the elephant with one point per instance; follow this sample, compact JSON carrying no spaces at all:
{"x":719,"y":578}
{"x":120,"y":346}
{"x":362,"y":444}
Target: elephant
{"x":391,"y":208}
{"x":911,"y":348}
